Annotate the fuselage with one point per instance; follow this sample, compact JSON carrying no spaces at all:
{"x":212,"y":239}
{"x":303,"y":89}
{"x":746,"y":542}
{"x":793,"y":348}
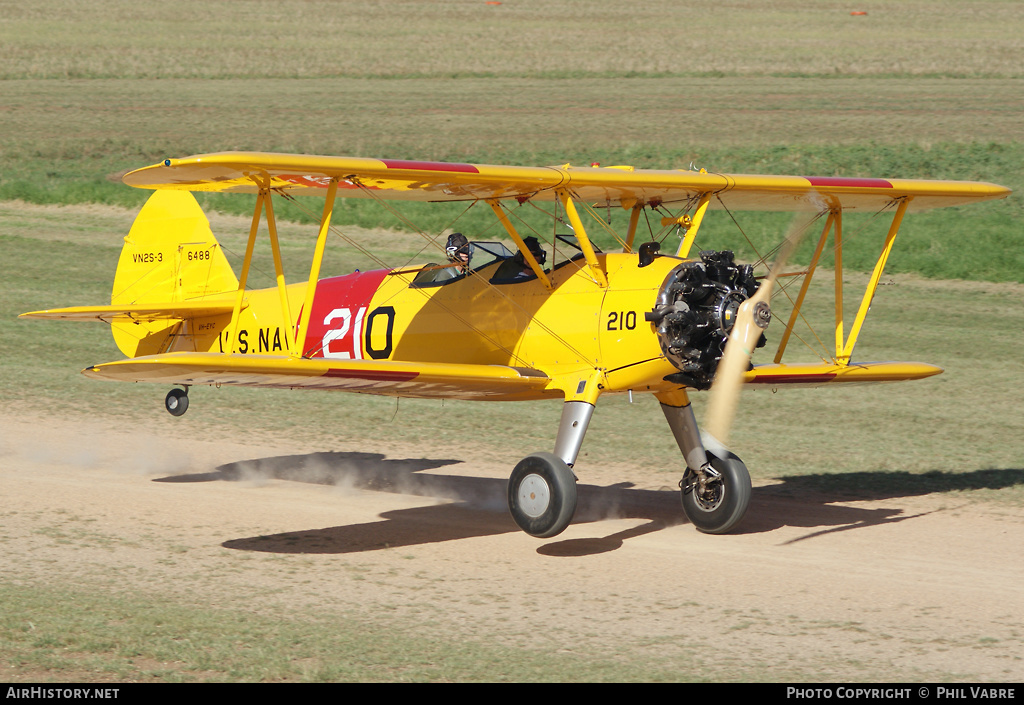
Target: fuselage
{"x":472,"y":318}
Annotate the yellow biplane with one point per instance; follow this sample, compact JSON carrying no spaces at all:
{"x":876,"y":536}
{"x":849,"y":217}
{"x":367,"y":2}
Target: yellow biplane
{"x":491,"y":322}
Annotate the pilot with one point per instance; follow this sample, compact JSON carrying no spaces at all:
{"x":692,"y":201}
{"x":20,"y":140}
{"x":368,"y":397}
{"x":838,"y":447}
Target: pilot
{"x":459,"y":252}
{"x":533,"y":245}
{"x":516,"y":268}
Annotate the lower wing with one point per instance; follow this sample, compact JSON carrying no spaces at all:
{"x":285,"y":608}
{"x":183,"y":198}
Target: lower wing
{"x":814,"y":375}
{"x":409,"y":379}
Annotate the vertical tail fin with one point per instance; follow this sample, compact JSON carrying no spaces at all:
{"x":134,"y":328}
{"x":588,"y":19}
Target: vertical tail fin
{"x":169,"y":256}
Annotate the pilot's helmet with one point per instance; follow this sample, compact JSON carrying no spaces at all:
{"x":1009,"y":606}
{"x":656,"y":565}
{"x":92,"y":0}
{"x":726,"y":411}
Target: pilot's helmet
{"x":533,"y":245}
{"x":457,"y":245}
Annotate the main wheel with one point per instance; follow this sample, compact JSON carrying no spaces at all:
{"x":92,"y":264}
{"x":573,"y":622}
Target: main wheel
{"x":721,"y":503}
{"x":542,"y":495}
{"x":176,"y":402}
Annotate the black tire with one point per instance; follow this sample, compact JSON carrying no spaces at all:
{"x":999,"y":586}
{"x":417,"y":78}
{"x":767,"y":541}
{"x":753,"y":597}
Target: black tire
{"x":176,"y":402}
{"x":721,"y":507}
{"x":542,"y":495}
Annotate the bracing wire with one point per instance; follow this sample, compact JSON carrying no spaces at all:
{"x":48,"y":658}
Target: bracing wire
{"x":383,"y":265}
{"x":784,"y":286}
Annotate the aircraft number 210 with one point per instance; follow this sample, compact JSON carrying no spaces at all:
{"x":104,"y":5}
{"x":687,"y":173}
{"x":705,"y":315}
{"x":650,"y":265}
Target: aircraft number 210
{"x":622,"y":320}
{"x":347,"y":330}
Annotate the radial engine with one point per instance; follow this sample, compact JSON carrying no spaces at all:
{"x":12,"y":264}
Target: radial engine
{"x":696,"y":308}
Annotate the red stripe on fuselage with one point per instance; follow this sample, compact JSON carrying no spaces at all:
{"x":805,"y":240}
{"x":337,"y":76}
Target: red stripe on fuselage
{"x":430,"y":166}
{"x":340,"y":309}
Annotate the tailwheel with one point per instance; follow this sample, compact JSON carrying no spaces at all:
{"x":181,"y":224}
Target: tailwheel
{"x":542,"y":495}
{"x":716,"y":499}
{"x":176,"y":402}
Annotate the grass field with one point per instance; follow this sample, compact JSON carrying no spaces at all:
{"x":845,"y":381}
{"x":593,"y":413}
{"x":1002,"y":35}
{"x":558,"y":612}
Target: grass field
{"x":89,"y":90}
{"x":929,"y":90}
{"x":530,"y":38}
{"x":101,"y":638}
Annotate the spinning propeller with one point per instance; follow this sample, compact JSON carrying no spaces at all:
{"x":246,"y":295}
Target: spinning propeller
{"x":753,"y":317}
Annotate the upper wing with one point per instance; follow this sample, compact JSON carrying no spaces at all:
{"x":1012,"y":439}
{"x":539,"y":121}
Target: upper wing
{"x":246,"y":172}
{"x":410,"y":379}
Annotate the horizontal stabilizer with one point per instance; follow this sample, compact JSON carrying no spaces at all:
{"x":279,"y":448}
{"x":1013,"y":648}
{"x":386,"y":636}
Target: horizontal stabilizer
{"x":177,"y":311}
{"x":412,"y":379}
{"x":815,"y":375}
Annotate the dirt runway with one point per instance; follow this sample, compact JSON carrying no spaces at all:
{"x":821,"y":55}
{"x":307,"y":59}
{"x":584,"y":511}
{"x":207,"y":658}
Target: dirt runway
{"x":896,"y":588}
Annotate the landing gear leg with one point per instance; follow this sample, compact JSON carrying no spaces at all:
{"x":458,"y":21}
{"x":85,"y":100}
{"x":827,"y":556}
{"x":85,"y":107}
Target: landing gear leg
{"x":716,"y":487}
{"x":176,"y":401}
{"x":542,"y":488}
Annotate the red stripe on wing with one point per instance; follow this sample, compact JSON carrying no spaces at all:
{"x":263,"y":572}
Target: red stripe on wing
{"x":430,"y":166}
{"x":793,"y":379}
{"x":375,"y":375}
{"x":844,"y":181}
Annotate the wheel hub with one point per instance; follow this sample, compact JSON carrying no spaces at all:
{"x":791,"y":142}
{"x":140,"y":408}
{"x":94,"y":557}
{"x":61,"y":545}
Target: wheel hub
{"x":706,"y":486}
{"x":710,"y":495}
{"x":534,"y":495}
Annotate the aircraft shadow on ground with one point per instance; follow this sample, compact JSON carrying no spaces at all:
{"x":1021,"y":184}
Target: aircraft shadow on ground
{"x":821,"y":493}
{"x":475,"y":506}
